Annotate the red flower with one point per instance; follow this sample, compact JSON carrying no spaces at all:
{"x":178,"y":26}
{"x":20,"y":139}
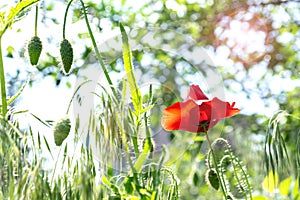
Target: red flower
{"x":193,"y":117}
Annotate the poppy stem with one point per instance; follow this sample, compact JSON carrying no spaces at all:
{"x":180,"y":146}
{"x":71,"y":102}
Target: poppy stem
{"x":216,"y":165}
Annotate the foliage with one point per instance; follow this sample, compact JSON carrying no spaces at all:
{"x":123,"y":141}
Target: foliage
{"x":240,"y":178}
{"x":8,"y":19}
{"x":135,"y":163}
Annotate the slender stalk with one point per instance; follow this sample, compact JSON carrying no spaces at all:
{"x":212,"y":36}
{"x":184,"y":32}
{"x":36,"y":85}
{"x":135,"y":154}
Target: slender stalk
{"x":216,"y":165}
{"x":74,"y":94}
{"x":2,"y":82}
{"x":36,"y":19}
{"x":65,"y":19}
{"x":233,"y":160}
{"x":98,"y":54}
{"x":124,"y":139}
{"x":55,"y":166}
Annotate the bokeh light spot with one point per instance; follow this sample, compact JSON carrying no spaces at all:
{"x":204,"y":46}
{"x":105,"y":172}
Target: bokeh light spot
{"x":244,"y":34}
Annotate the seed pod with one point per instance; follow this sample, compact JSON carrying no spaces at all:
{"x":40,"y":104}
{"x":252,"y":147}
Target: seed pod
{"x":34,"y":49}
{"x":61,"y":130}
{"x":66,"y":53}
{"x":212,"y":179}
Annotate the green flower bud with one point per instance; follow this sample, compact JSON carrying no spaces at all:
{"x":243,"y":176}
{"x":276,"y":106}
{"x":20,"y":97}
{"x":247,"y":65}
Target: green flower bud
{"x":34,"y":49}
{"x":212,"y":179}
{"x":66,"y":53}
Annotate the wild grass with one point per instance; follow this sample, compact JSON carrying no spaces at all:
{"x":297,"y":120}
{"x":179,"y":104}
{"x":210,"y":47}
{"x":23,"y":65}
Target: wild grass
{"x":114,"y":156}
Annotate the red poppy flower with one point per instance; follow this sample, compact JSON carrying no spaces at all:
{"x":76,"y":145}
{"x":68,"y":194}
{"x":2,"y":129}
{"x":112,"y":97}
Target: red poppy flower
{"x":193,"y":117}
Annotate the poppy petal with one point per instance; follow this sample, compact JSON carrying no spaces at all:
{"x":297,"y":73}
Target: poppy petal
{"x":231,"y":110}
{"x":181,"y":116}
{"x":171,"y":117}
{"x":223,"y":109}
{"x":196,"y":93}
{"x":217,"y":109}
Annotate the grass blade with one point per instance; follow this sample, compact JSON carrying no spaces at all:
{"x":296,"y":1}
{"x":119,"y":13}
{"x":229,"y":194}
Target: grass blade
{"x":128,"y":65}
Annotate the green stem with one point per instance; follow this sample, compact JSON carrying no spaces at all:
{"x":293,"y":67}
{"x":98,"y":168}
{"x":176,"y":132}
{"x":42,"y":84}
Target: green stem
{"x":36,"y":19}
{"x":65,"y":19}
{"x":124,"y":140}
{"x":75,"y":92}
{"x":235,"y":162}
{"x":98,"y":54}
{"x":55,"y":166}
{"x":2,"y":82}
{"x":216,"y":165}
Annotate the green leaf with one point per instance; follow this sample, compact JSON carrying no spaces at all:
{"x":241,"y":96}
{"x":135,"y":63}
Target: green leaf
{"x":128,"y":186}
{"x":16,"y":129}
{"x":13,"y":98}
{"x":141,"y":159}
{"x":105,"y":180}
{"x":39,"y":141}
{"x":40,"y":120}
{"x":285,"y":185}
{"x":14,"y":11}
{"x":65,"y":155}
{"x":128,"y":66}
{"x":147,"y":108}
{"x":270,"y":182}
{"x":48,"y":147}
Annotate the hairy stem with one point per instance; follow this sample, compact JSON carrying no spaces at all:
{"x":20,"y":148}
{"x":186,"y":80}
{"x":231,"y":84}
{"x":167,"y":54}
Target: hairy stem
{"x":216,"y":166}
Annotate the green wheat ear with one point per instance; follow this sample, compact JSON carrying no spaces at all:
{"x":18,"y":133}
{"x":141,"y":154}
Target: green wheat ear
{"x":61,"y":130}
{"x":34,"y":49}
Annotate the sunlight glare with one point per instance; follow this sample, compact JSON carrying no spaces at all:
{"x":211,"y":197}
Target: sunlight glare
{"x":244,"y":34}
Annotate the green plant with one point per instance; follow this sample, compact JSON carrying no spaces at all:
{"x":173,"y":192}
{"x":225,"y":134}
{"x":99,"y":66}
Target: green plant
{"x":217,"y":171}
{"x":66,"y":50}
{"x":61,"y":130}
{"x":7,"y":20}
{"x":131,"y":165}
{"x":35,"y":45}
{"x":34,"y":49}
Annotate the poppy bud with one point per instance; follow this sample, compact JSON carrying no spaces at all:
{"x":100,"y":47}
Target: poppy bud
{"x":34,"y":49}
{"x":212,"y":179}
{"x":61,"y":130}
{"x":66,"y":53}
